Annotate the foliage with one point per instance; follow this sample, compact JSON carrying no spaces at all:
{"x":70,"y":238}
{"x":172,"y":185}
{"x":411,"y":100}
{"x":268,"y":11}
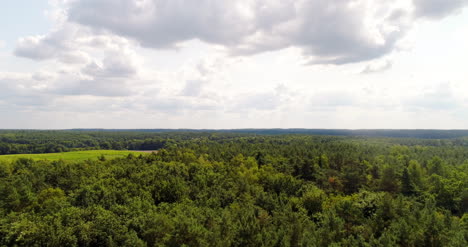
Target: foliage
{"x":214,"y":189}
{"x":71,"y":156}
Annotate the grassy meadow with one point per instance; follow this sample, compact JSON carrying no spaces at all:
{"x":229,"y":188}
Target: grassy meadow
{"x":72,"y":156}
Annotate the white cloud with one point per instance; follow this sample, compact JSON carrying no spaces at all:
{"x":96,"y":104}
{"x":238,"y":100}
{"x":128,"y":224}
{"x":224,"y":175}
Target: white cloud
{"x":327,"y":32}
{"x":63,"y":44}
{"x":71,"y":44}
{"x":193,"y":88}
{"x":43,"y":76}
{"x":436,"y":9}
{"x":378,"y":66}
{"x":20,"y":90}
{"x":269,"y":100}
{"x":440,"y":98}
{"x":114,"y":61}
{"x":115,"y":65}
{"x":92,"y":64}
{"x":332,"y":99}
{"x":334,"y":32}
{"x":258,"y":101}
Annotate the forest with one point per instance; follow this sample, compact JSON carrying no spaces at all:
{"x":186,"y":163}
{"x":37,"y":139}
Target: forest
{"x":54,"y":141}
{"x":234,"y":189}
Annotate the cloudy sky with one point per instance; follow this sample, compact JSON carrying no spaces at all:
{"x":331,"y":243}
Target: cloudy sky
{"x":233,"y":64}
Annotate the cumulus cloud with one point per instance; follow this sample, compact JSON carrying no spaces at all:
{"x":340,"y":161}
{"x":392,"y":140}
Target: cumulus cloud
{"x":192,"y":88}
{"x":338,"y":32}
{"x":97,"y":44}
{"x":43,"y":76}
{"x":72,"y":44}
{"x":21,"y":91}
{"x":258,"y":101}
{"x":177,"y":105}
{"x":333,"y":32}
{"x":112,"y":84}
{"x":327,"y":32}
{"x":29,"y":47}
{"x":116,"y":75}
{"x":96,"y":64}
{"x":204,"y":72}
{"x":436,"y":9}
{"x":440,"y":98}
{"x":113,"y":66}
{"x":376,"y":67}
{"x":269,"y":100}
{"x":332,"y":99}
{"x":61,"y":44}
{"x":68,"y":92}
{"x":163,"y":23}
{"x":111,"y":77}
{"x":106,"y":88}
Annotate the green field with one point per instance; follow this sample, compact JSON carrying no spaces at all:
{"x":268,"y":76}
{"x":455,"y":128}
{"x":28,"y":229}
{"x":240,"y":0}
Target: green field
{"x":71,"y":156}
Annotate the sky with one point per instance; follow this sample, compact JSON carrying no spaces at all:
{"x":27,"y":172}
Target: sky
{"x":212,"y":64}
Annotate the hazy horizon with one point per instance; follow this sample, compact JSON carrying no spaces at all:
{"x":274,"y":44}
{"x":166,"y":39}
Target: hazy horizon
{"x":292,"y":128}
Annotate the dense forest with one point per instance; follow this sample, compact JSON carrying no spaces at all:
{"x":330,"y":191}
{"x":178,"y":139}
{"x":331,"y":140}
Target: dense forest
{"x":33,"y":141}
{"x":52,"y":141}
{"x":234,"y":189}
{"x":406,"y":133}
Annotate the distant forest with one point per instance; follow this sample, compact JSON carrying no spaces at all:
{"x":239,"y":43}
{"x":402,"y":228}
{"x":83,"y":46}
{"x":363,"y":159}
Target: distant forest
{"x":421,"y":133}
{"x":234,"y":189}
{"x":50,"y":141}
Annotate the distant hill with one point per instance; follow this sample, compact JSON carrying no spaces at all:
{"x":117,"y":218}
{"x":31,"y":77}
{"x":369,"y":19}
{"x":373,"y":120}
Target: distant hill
{"x":397,"y":133}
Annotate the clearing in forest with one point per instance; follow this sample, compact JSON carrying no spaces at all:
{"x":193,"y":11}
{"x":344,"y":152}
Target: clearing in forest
{"x":71,"y":156}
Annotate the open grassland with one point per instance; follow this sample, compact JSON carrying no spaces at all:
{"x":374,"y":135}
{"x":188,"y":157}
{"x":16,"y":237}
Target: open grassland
{"x":71,"y":156}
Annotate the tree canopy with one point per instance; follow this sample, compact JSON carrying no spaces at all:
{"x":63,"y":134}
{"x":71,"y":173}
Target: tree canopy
{"x":216,"y":189}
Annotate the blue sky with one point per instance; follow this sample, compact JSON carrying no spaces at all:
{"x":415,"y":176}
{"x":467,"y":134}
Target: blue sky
{"x":233,"y":64}
{"x":19,"y":18}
